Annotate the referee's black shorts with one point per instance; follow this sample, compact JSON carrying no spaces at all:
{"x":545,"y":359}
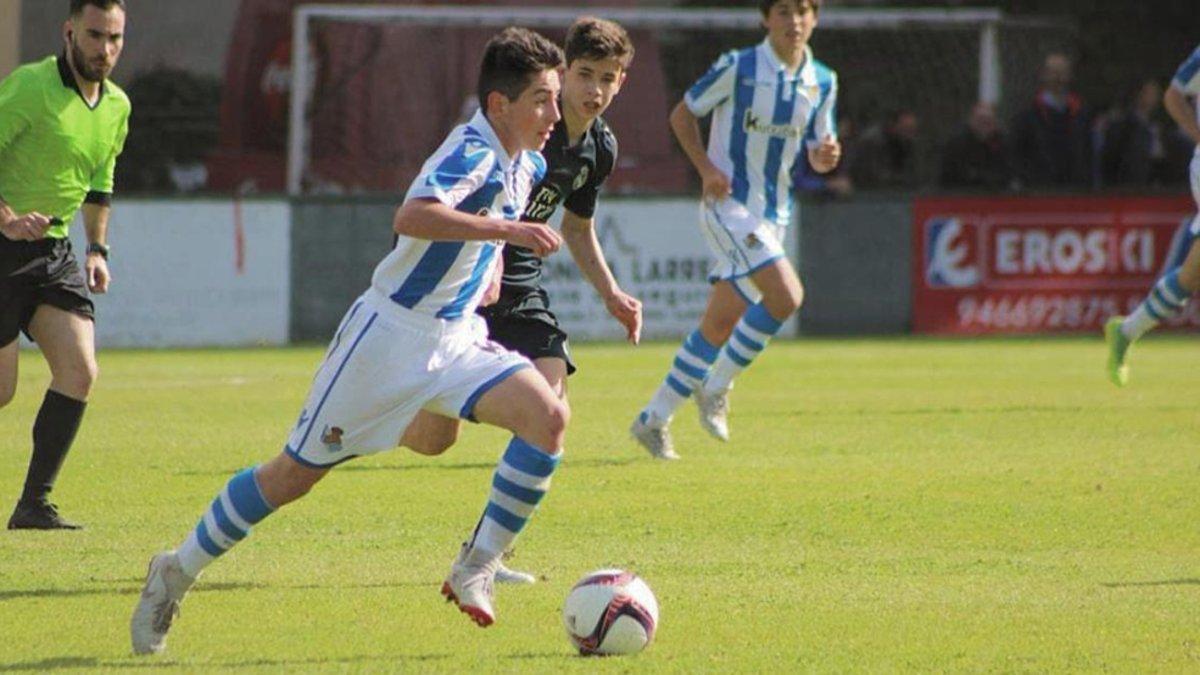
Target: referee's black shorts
{"x":34,"y":273}
{"x":528,"y":328}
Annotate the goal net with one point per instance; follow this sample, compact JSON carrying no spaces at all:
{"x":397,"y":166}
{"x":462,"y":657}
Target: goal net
{"x":377,"y":87}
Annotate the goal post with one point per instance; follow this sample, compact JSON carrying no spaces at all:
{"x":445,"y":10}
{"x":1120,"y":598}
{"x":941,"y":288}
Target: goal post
{"x":978,"y":37}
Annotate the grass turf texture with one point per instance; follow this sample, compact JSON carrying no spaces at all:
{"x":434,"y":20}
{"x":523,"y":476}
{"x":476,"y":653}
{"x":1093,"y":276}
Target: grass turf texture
{"x":884,"y":505}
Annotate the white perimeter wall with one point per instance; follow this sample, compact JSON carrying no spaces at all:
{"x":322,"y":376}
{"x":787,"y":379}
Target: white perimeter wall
{"x":180,"y":281}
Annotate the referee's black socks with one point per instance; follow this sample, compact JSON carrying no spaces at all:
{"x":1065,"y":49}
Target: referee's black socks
{"x":53,"y":432}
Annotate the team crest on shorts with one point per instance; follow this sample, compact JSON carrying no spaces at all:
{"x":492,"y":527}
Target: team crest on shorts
{"x":752,"y":241}
{"x":332,"y":436}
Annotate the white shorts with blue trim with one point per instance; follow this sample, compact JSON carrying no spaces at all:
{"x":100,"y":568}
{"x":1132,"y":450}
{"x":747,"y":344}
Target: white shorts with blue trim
{"x":385,"y":364}
{"x":742,"y":243}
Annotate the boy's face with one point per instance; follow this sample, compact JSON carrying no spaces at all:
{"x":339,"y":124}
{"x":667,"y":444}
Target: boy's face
{"x":590,"y":85}
{"x":531,"y":118}
{"x":790,"y":24}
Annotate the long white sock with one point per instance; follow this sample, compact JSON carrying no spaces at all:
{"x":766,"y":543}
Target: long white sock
{"x":521,"y":480}
{"x":228,"y":520}
{"x":688,"y":370}
{"x":750,"y":338}
{"x":1165,"y":301}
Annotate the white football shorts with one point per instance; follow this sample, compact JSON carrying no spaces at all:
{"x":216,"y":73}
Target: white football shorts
{"x":385,"y":364}
{"x":741,"y":242}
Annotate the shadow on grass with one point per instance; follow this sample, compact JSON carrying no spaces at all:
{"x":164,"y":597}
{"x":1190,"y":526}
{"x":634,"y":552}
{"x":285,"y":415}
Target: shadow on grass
{"x":1163,"y":582}
{"x":76,"y":662}
{"x":200,"y":588}
{"x":351,"y":467}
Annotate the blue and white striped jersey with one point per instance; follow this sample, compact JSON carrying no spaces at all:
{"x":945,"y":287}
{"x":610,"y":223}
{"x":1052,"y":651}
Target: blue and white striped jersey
{"x":470,"y":172}
{"x":763,"y":116}
{"x":1187,"y":78}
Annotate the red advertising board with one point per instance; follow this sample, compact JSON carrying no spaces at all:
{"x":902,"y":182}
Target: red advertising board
{"x":1040,"y":264}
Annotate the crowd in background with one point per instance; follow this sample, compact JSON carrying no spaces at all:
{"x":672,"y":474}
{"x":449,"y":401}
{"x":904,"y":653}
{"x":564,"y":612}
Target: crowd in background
{"x":1055,"y":143}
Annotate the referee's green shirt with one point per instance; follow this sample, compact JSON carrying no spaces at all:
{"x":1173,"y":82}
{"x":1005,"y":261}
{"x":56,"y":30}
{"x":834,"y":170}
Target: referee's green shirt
{"x":55,"y":150}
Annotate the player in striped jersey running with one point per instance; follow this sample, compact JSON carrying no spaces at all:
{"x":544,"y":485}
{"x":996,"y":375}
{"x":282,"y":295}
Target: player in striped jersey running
{"x":769,"y":103}
{"x":412,"y":341}
{"x":1182,"y":269}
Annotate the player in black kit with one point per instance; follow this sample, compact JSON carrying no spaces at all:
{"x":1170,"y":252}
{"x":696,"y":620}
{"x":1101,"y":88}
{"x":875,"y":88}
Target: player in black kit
{"x":580,"y":155}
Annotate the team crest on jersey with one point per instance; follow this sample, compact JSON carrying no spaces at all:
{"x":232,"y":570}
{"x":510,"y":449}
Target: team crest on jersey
{"x":580,"y":179}
{"x":753,"y":242}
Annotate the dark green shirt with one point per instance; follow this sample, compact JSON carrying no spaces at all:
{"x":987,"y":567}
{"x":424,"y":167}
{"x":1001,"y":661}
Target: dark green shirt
{"x":55,"y":149}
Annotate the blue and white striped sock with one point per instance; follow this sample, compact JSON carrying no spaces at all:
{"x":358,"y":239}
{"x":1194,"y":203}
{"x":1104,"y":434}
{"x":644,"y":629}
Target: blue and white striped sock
{"x":750,"y":337}
{"x":688,"y":370}
{"x":1165,"y":301}
{"x":226,"y":522}
{"x":521,"y":480}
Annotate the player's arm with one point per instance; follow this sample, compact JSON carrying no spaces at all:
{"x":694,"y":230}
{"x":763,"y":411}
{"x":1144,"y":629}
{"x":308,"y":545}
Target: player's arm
{"x":15,"y":118}
{"x":824,"y":150}
{"x":430,"y":219}
{"x":1182,"y":111}
{"x":580,"y":235}
{"x":95,"y":225}
{"x":686,"y":127}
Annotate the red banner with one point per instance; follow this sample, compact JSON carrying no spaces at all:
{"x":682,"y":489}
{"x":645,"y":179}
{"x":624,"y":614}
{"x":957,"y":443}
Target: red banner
{"x":1023,"y":265}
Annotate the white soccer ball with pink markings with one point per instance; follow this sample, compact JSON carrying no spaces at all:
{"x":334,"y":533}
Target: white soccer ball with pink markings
{"x":610,"y":612}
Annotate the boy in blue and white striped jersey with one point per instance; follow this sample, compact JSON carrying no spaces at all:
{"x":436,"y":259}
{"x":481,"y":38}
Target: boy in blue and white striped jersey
{"x":769,"y":103}
{"x":1182,"y":270}
{"x":412,"y":341}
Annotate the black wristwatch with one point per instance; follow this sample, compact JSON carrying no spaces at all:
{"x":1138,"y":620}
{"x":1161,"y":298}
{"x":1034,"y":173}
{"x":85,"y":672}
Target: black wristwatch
{"x":97,"y":247}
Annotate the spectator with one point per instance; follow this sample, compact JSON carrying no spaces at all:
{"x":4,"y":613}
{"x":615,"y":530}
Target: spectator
{"x":1134,"y":150}
{"x":977,"y":157}
{"x":887,"y":155}
{"x":1052,"y":138}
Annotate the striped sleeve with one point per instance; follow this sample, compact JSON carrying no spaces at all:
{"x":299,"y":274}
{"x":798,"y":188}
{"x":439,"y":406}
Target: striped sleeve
{"x":714,"y":87}
{"x":824,"y":122}
{"x":455,"y":176}
{"x":1187,"y":78}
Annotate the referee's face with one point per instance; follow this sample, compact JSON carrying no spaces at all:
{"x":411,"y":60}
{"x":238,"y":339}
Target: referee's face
{"x":95,"y":37}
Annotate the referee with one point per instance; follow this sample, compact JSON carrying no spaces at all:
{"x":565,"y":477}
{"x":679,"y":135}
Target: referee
{"x":62,"y":125}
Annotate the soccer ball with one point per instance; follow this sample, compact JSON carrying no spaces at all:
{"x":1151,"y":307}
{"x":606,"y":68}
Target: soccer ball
{"x":610,"y":612}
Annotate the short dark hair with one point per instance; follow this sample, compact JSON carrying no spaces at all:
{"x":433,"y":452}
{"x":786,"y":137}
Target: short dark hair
{"x":512,"y":59}
{"x":598,"y":39}
{"x":78,"y":5}
{"x":765,"y":6}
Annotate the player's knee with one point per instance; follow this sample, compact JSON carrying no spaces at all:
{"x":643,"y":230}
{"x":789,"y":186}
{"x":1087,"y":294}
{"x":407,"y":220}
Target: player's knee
{"x":76,"y":381}
{"x":553,"y":425}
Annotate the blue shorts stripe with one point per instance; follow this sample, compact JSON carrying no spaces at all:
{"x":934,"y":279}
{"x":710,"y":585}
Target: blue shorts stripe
{"x":206,"y":542}
{"x":468,"y":410}
{"x":507,"y":519}
{"x":223,"y":521}
{"x":333,"y":382}
{"x":737,"y":358}
{"x":689,"y":369}
{"x":247,"y":499}
{"x":520,"y":493}
{"x":528,"y":459}
{"x":746,"y":341}
{"x":679,"y":387}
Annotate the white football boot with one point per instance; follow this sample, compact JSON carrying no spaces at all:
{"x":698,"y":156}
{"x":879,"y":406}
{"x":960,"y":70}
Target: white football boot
{"x":166,"y":584}
{"x":655,"y":438}
{"x":714,"y":412}
{"x":470,"y":585}
{"x":504,"y":575}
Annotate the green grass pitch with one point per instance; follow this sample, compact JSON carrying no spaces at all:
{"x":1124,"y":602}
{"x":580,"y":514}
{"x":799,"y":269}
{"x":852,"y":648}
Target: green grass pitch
{"x":915,"y":505}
